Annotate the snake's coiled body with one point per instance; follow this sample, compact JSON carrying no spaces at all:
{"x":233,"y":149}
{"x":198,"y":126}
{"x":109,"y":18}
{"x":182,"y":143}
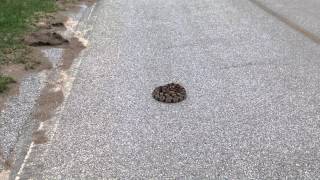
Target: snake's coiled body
{"x":170,"y":93}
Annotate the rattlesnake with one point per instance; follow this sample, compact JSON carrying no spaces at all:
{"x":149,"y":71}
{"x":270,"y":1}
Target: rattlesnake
{"x":169,"y":93}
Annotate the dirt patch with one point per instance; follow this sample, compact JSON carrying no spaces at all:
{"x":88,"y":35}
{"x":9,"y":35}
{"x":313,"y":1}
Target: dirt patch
{"x":67,"y":4}
{"x":52,"y":96}
{"x":16,"y":71}
{"x":45,"y":37}
{"x":7,"y":163}
{"x":34,"y":62}
{"x":39,"y":137}
{"x":3,"y":162}
{"x":49,"y":100}
{"x":48,"y":26}
{"x":71,"y":52}
{"x":50,"y":21}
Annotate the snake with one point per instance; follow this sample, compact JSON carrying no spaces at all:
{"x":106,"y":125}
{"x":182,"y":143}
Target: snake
{"x":170,"y":93}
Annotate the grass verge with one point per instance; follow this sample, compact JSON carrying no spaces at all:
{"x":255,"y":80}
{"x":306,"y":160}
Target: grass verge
{"x":4,"y":82}
{"x":16,"y":18}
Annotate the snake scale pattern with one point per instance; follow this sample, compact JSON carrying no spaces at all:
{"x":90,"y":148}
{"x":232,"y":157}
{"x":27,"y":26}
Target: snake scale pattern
{"x":170,"y":93}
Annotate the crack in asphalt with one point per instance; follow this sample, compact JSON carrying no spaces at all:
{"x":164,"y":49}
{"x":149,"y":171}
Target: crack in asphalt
{"x":313,"y":37}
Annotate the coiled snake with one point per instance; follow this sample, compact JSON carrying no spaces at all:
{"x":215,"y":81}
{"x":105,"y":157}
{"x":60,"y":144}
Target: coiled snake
{"x":170,"y":93}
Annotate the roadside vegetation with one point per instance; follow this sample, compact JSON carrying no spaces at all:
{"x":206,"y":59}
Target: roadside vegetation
{"x":4,"y":81}
{"x":16,"y":18}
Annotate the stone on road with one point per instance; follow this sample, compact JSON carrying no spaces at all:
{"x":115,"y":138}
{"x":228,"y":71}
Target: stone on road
{"x":252,"y":110}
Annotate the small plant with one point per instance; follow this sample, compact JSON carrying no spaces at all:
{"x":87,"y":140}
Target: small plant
{"x":4,"y":82}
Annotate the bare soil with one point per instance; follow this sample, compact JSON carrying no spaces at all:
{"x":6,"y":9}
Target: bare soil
{"x":49,"y":26}
{"x":67,"y":4}
{"x":49,"y":100}
{"x":71,"y":52}
{"x":35,"y":61}
{"x":39,"y":137}
{"x":45,"y":37}
{"x":49,"y":21}
{"x":52,"y":95}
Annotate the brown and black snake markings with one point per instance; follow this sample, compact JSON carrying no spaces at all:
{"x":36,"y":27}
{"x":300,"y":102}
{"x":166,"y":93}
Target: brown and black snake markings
{"x":170,"y":93}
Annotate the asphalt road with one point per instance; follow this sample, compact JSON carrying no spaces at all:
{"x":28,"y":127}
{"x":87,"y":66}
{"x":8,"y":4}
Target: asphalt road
{"x":306,"y":13}
{"x":253,"y":85}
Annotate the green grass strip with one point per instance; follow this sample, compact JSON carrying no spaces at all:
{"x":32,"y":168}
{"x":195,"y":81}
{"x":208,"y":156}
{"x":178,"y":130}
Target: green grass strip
{"x":4,"y":82}
{"x":15,"y":17}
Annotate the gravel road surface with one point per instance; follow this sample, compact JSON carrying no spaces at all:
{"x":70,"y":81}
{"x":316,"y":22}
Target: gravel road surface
{"x":253,"y":85}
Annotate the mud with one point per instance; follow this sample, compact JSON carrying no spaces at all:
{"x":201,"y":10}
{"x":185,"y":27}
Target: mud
{"x":71,"y":52}
{"x":47,"y":34}
{"x":45,"y":37}
{"x":6,"y":163}
{"x":33,"y":62}
{"x":54,"y":92}
{"x":49,"y":100}
{"x":39,"y":137}
{"x":51,"y":21}
{"x":49,"y":26}
{"x":66,"y":4}
{"x":52,"y":95}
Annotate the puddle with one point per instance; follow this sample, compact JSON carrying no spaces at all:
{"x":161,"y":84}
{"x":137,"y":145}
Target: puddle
{"x":54,"y":55}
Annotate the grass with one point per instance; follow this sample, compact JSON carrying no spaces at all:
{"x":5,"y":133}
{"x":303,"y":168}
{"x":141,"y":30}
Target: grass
{"x":16,"y":18}
{"x":4,"y":82}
